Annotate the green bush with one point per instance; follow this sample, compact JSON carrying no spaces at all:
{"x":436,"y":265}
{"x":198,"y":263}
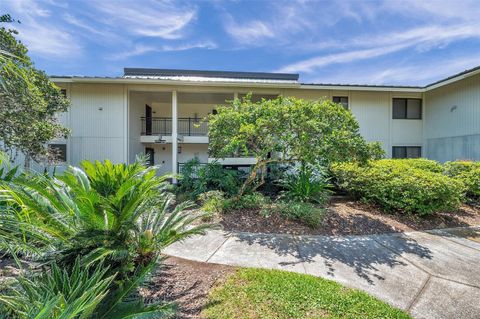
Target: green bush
{"x":197,"y":178}
{"x":306,"y":213}
{"x":117,"y":215}
{"x":400,"y":185}
{"x":306,"y":184}
{"x":212,"y":201}
{"x":248,"y":201}
{"x":468,"y":173}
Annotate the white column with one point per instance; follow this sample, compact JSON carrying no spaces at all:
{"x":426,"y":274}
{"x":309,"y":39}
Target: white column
{"x":174,"y":135}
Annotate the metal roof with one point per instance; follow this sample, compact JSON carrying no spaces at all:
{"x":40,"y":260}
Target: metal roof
{"x":232,"y":78}
{"x":144,"y":72}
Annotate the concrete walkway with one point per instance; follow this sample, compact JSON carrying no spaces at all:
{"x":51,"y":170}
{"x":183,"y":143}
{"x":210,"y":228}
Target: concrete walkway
{"x":434,"y":274}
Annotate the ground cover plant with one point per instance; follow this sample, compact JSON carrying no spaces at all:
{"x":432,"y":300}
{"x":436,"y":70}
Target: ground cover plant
{"x":115,"y":215}
{"x":258,"y":293}
{"x":411,"y":186}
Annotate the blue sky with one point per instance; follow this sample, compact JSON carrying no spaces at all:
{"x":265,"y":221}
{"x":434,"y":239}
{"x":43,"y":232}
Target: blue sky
{"x":358,"y":42}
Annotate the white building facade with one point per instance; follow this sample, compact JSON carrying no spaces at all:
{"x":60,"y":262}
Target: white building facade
{"x":160,"y":112}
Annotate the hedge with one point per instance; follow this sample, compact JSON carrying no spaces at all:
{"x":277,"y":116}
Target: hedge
{"x":413,"y":186}
{"x":468,"y":173}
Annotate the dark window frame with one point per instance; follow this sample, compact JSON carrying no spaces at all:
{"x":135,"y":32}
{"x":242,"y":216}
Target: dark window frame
{"x":406,"y":151}
{"x":405,"y":117}
{"x":62,"y":153}
{"x":340,"y":101}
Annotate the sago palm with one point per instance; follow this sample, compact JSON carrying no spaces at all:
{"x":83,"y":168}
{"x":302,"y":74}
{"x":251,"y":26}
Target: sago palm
{"x":121,"y":215}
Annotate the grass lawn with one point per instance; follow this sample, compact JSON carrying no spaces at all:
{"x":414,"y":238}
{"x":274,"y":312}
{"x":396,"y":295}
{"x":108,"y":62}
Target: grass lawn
{"x":258,"y":293}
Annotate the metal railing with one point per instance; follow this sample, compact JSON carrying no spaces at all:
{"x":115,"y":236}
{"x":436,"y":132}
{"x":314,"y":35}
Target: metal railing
{"x":186,"y":126}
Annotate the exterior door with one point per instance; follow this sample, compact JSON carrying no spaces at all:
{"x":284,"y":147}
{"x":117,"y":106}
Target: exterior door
{"x":148,"y":120}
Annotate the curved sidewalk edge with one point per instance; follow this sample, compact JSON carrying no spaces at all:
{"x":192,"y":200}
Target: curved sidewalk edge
{"x":431,"y":274}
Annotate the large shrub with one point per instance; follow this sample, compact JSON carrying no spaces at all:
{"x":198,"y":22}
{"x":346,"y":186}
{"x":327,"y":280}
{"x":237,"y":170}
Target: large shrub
{"x":285,"y":130}
{"x":399,"y":185}
{"x":468,"y":173}
{"x":117,"y":215}
{"x":199,"y":178}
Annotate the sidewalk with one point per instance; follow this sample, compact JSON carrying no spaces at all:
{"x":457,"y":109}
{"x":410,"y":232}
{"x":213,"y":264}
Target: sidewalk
{"x":433,"y":274}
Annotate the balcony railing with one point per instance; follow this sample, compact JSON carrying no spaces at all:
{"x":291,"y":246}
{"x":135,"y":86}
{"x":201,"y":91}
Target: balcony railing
{"x":186,"y":126}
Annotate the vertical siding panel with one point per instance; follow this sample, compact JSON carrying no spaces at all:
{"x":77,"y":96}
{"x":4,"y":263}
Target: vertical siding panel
{"x":97,"y":122}
{"x":453,"y":126}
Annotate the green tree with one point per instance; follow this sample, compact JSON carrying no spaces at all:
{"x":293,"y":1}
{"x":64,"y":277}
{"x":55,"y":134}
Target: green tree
{"x":285,"y":130}
{"x":29,"y":101}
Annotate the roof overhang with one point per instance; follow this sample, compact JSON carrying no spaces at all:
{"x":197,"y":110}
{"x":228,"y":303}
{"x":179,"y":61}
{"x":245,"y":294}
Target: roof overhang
{"x":175,"y":82}
{"x":248,"y":79}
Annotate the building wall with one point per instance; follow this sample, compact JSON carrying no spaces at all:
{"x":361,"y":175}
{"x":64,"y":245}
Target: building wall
{"x":105,"y":119}
{"x":452,"y":121}
{"x":98,"y":123}
{"x":373,"y":111}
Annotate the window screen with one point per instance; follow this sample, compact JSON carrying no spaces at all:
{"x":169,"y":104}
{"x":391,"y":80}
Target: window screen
{"x":406,"y":152}
{"x":407,"y":108}
{"x":341,"y":100}
{"x":59,"y":151}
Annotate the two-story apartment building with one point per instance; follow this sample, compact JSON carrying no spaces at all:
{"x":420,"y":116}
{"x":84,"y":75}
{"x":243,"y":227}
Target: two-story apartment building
{"x":159,"y":112}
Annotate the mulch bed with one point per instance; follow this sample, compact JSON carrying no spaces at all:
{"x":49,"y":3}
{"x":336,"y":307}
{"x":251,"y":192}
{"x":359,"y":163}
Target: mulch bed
{"x":186,"y":283}
{"x":348,"y":217}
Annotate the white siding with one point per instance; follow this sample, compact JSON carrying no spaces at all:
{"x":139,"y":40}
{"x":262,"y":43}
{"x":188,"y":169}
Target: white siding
{"x":98,"y":123}
{"x":452,"y":121}
{"x":373,"y":114}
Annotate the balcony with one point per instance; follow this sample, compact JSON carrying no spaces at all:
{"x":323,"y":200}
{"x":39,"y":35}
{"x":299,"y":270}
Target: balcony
{"x":189,"y":130}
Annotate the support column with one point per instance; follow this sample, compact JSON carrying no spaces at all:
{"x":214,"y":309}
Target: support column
{"x":174,"y":136}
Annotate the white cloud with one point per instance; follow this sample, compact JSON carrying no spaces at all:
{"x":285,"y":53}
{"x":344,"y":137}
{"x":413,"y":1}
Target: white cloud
{"x":420,"y":73}
{"x":147,"y":18}
{"x":250,"y":32}
{"x":420,"y":38}
{"x":141,"y":49}
{"x":40,"y":32}
{"x":312,"y":64}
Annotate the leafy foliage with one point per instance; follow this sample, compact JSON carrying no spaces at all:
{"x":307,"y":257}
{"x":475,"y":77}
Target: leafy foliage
{"x":397,"y":185}
{"x":57,"y":293}
{"x":285,"y":130}
{"x":306,"y":183}
{"x":29,"y":101}
{"x":116,"y":214}
{"x":199,"y":178}
{"x":307,"y":213}
{"x":468,"y":173}
{"x":248,"y":201}
{"x":7,"y":172}
{"x":212,"y":201}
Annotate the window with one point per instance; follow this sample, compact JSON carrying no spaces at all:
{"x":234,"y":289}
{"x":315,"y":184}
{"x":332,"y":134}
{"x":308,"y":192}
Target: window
{"x":407,"y":109}
{"x":150,"y":153}
{"x":59,"y":151}
{"x":406,"y":152}
{"x":64,"y":92}
{"x":341,"y":100}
